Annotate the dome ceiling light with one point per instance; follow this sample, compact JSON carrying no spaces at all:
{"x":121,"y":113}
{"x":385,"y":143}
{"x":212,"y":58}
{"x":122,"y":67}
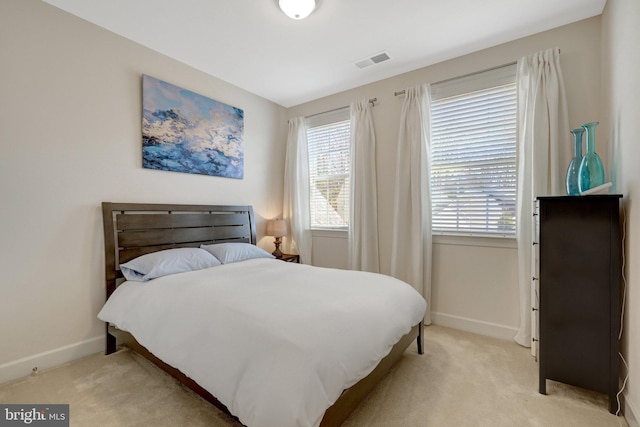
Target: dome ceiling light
{"x":297,"y":9}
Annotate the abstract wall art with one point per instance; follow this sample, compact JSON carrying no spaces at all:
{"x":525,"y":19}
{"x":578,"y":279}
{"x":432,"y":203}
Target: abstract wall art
{"x":186,"y":132}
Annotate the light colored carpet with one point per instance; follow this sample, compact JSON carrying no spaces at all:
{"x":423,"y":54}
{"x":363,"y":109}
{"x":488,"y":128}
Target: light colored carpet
{"x":462,"y":380}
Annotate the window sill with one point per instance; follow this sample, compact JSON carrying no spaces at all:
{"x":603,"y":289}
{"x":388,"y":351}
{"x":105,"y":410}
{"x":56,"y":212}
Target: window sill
{"x":467,"y":240}
{"x":333,"y":233}
{"x":438,"y":239}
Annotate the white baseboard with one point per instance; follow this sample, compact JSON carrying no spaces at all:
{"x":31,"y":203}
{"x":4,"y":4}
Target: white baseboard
{"x":480,"y":327}
{"x":22,"y":367}
{"x":630,"y":412}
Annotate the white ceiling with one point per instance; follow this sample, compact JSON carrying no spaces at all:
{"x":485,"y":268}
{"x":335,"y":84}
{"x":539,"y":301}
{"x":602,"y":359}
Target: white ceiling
{"x":252,"y":44}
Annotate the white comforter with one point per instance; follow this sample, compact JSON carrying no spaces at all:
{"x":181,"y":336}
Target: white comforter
{"x":275,"y":342}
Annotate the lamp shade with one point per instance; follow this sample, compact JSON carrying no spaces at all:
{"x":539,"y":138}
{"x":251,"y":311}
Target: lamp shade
{"x":297,"y":9}
{"x":276,"y":227}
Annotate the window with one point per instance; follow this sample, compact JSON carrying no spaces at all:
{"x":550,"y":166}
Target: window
{"x":328,"y":137}
{"x":473,"y":146}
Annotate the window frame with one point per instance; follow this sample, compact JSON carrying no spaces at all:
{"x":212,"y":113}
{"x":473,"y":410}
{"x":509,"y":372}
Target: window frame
{"x":340,"y":116}
{"x":466,"y":86}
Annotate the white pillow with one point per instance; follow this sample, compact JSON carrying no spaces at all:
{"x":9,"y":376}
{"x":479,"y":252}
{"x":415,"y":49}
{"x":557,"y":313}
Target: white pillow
{"x":228,"y":253}
{"x":169,"y":261}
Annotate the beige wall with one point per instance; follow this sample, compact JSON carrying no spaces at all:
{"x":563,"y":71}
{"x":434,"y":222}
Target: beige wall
{"x":621,"y":104}
{"x":474,"y":282}
{"x":70,"y":113}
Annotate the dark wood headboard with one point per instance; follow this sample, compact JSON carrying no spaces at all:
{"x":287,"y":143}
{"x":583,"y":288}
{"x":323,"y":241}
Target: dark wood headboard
{"x":134,"y":229}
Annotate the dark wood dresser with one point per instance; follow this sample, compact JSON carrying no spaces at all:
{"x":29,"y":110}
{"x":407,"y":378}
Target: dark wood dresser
{"x":580,"y":263}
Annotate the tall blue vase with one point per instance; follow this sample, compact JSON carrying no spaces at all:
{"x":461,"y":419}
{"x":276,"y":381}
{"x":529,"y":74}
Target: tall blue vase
{"x":591,"y":170}
{"x":573,"y":176}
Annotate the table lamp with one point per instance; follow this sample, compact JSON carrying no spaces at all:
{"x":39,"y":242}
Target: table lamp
{"x":278,"y":229}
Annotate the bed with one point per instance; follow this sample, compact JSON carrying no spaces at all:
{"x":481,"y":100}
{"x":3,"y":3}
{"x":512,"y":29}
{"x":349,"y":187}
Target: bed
{"x":264,"y":368}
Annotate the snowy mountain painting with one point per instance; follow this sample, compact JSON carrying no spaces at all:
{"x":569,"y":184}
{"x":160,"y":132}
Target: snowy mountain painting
{"x":186,"y":132}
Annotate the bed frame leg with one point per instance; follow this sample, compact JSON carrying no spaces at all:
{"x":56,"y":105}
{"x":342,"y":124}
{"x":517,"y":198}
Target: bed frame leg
{"x":420,"y":339}
{"x":110,"y":343}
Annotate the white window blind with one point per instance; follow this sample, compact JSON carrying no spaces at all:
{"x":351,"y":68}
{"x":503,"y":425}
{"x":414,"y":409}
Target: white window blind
{"x":473,"y":145}
{"x":328,"y":138}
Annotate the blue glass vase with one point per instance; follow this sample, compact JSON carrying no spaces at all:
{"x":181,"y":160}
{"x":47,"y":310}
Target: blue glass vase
{"x":591,"y":170}
{"x":573,"y":176}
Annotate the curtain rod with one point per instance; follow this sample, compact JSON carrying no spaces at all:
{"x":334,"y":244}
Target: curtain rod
{"x":371,"y":101}
{"x":403,"y":91}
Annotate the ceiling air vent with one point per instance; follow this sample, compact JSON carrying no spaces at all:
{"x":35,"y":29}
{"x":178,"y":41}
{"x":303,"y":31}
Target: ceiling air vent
{"x":375,"y":59}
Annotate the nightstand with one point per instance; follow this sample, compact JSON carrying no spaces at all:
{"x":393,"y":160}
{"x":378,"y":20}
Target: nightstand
{"x":290,"y":258}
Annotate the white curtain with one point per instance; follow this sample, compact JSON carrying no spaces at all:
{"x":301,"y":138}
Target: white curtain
{"x":363,"y":210}
{"x":296,"y":191}
{"x":411,"y":241}
{"x":544,"y":152}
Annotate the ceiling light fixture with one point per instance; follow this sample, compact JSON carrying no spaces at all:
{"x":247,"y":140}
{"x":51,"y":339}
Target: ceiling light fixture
{"x":297,"y":9}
